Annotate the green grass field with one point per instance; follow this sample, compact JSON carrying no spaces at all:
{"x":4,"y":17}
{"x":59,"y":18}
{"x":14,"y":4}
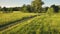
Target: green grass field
{"x":40,"y":24}
{"x":10,"y":17}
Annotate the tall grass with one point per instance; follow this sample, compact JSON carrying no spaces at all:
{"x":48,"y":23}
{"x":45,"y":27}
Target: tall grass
{"x":10,"y":17}
{"x":43,"y":24}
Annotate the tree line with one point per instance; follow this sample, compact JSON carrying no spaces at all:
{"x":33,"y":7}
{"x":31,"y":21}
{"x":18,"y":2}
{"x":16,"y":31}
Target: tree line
{"x":36,"y":7}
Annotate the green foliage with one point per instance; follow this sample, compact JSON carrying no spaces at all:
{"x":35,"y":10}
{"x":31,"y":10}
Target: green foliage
{"x":50,"y":11}
{"x":46,"y":8}
{"x":37,"y":5}
{"x":9,"y":10}
{"x":55,"y":8}
{"x":6,"y":10}
{"x":29,"y":8}
{"x":0,"y":8}
{"x":24,"y":8}
{"x":43,"y":24}
{"x":6,"y":18}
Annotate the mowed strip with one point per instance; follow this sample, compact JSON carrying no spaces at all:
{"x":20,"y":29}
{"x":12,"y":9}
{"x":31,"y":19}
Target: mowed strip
{"x":21,"y":27}
{"x":16,"y":22}
{"x":44,"y":24}
{"x":6,"y":18}
{"x":20,"y":23}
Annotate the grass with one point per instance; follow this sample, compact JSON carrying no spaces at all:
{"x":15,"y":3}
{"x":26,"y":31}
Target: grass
{"x":43,"y":24}
{"x":10,"y":17}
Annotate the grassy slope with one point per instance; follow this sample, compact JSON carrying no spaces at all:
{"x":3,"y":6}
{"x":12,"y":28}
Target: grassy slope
{"x":44,"y":24}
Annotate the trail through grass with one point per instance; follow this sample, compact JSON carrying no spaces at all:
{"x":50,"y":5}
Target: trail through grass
{"x":43,"y":24}
{"x":11,"y":17}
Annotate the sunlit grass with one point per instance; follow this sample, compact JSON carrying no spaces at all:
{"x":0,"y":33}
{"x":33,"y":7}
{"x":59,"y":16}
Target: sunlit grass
{"x":43,"y":24}
{"x":9,"y":17}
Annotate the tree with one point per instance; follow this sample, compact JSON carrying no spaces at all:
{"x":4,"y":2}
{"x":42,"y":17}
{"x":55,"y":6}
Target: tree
{"x":5,"y":9}
{"x":0,"y":8}
{"x":15,"y":8}
{"x":50,"y":11}
{"x":46,"y":8}
{"x":24,"y":8}
{"x":9,"y":10}
{"x":37,"y":5}
{"x":55,"y":8}
{"x":29,"y":8}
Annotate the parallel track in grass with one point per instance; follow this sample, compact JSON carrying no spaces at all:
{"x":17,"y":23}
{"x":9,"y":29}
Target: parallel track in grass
{"x":43,"y":24}
{"x":3,"y":27}
{"x":6,"y":18}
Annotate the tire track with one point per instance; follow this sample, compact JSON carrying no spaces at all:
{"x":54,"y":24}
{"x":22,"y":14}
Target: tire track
{"x":3,"y":27}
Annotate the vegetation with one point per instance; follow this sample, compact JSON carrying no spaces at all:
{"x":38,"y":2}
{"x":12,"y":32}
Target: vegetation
{"x":44,"y":24}
{"x":35,"y":7}
{"x":10,"y":17}
{"x":30,"y":19}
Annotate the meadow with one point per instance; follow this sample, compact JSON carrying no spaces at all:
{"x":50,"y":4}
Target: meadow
{"x":41,"y":24}
{"x":10,"y":17}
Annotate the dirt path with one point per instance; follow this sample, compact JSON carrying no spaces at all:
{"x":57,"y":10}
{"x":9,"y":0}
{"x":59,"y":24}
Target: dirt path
{"x":3,"y":27}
